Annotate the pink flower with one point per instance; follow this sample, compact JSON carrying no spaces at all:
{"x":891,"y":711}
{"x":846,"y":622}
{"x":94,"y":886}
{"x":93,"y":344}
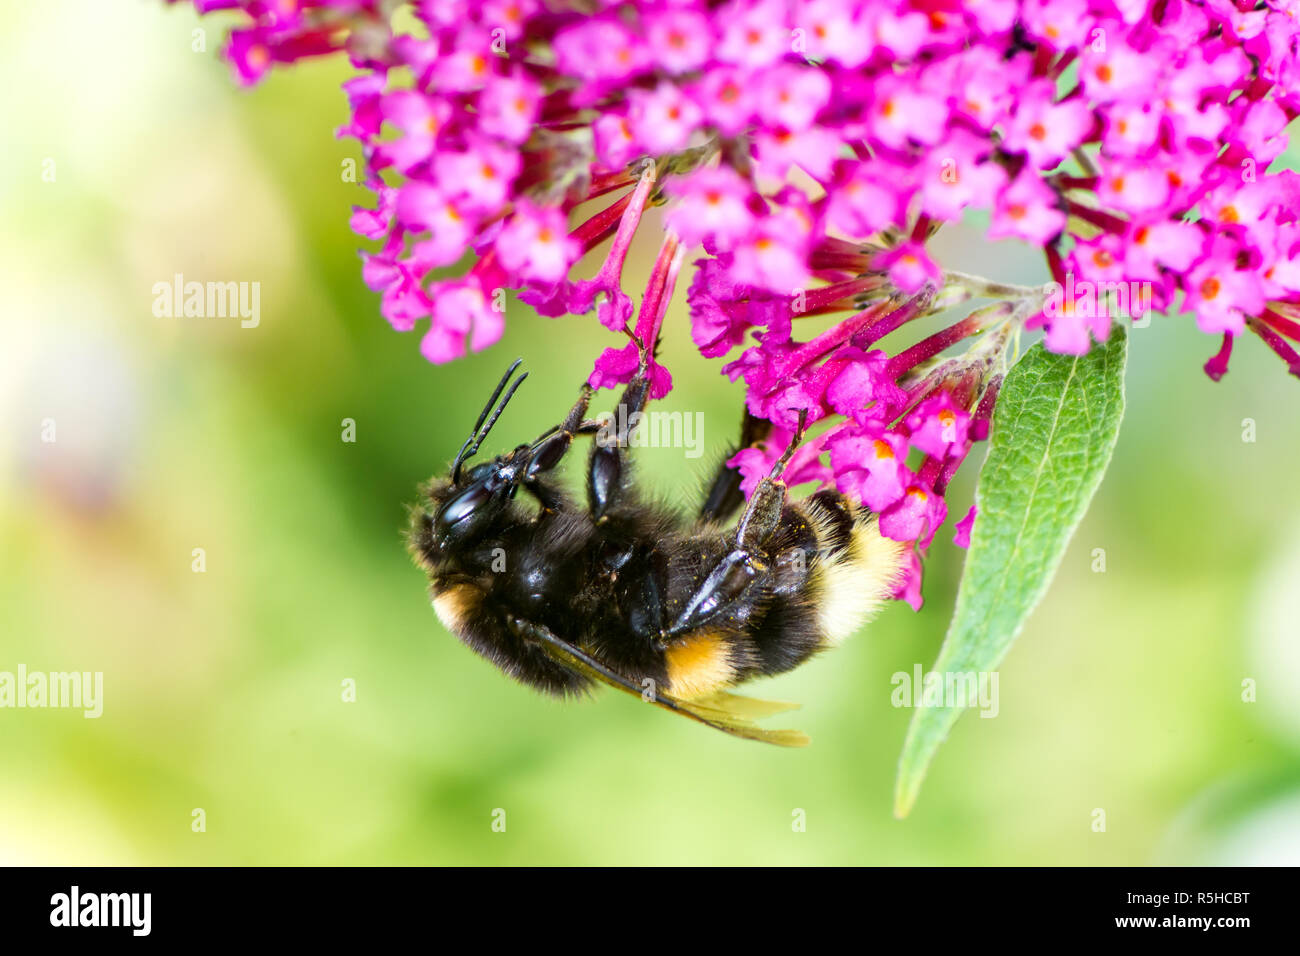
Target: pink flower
{"x":680,"y":39}
{"x":938,"y":425}
{"x":713,"y":205}
{"x":1117,"y":72}
{"x":813,"y":150}
{"x":250,"y":55}
{"x":420,"y":119}
{"x":832,"y":30}
{"x":1027,"y":209}
{"x":535,"y":245}
{"x":754,"y":33}
{"x":862,"y":388}
{"x":460,"y":312}
{"x":1134,"y":187}
{"x":478,"y":178}
{"x":909,"y":267}
{"x":771,"y":255}
{"x":791,"y":97}
{"x":1221,"y":294}
{"x":1162,"y":243}
{"x":902,"y":113}
{"x":866,"y":200}
{"x":508,"y":108}
{"x":615,"y":145}
{"x":916,"y":516}
{"x":909,"y":588}
{"x":599,"y":49}
{"x":662,"y":119}
{"x":423,"y":208}
{"x":727,"y":99}
{"x":375,"y":223}
{"x":872,"y":470}
{"x":467,"y":66}
{"x":963,"y":528}
{"x":1046,"y":130}
{"x":957,"y":174}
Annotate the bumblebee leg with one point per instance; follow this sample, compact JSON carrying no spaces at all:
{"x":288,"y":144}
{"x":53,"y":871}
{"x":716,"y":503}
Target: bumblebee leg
{"x":551,"y":447}
{"x":725,"y":497}
{"x":731,"y":576}
{"x":605,"y":472}
{"x":765,"y":504}
{"x":548,"y":450}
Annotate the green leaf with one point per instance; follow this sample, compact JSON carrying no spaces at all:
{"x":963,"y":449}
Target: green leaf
{"x":1054,"y":428}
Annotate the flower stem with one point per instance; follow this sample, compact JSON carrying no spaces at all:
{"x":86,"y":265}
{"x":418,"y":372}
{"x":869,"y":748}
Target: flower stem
{"x":879,"y":328}
{"x":929,"y":347}
{"x":987,"y":288}
{"x":658,"y":293}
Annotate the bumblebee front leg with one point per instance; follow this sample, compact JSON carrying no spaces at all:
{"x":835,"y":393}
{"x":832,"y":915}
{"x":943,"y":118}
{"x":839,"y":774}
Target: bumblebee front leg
{"x":606,"y":468}
{"x":552,"y":446}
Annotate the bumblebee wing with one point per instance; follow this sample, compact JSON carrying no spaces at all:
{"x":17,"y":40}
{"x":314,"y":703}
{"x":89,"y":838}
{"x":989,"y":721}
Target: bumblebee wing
{"x":730,"y":713}
{"x":751,"y":707}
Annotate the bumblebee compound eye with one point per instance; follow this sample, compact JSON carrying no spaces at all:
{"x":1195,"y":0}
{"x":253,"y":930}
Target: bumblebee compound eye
{"x":463,"y":512}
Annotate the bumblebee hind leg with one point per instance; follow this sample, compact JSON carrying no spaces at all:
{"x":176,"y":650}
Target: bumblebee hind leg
{"x":748,"y":559}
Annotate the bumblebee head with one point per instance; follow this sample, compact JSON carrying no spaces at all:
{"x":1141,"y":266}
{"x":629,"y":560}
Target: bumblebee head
{"x":463,"y":508}
{"x":466,"y":503}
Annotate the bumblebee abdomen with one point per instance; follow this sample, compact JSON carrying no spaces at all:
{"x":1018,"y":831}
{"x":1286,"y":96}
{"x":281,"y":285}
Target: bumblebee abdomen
{"x":831,"y":571}
{"x":857,"y":573}
{"x":848,"y":570}
{"x":703,"y":663}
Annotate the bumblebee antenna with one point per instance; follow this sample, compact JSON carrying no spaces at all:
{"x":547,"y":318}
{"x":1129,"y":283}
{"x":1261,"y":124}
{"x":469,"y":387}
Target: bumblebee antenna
{"x":477,"y":438}
{"x":465,"y":451}
{"x":510,"y":393}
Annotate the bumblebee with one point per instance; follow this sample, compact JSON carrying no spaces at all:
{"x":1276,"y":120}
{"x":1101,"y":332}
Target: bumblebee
{"x":628,"y":593}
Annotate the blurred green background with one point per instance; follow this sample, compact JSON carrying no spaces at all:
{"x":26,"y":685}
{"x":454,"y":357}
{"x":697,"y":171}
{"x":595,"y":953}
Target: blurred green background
{"x":223,"y":689}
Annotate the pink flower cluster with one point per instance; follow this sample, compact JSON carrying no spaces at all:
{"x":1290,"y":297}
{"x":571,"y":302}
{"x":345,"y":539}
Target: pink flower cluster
{"x":812,"y":148}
